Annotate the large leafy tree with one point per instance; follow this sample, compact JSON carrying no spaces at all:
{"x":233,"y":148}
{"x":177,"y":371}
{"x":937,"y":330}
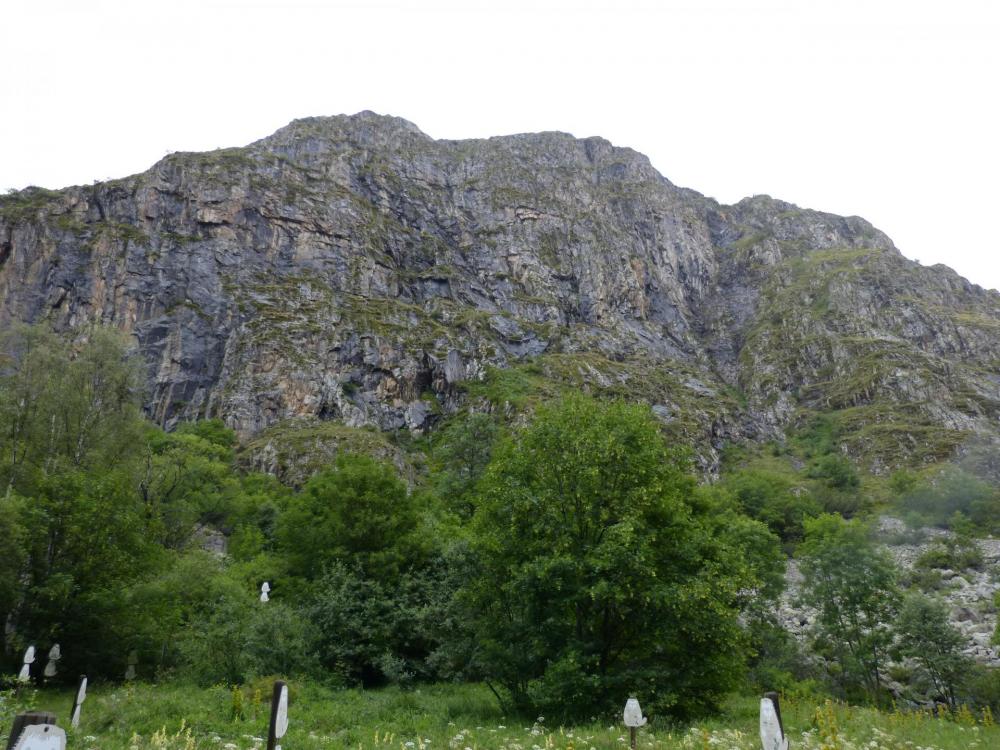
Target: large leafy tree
{"x":353,"y":546}
{"x":359,"y":513}
{"x":70,"y":431}
{"x":852,"y":584}
{"x":601,"y":572}
{"x":460,"y":457}
{"x":65,"y":407}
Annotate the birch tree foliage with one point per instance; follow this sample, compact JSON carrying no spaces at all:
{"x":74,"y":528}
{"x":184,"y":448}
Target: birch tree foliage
{"x":852,"y":583}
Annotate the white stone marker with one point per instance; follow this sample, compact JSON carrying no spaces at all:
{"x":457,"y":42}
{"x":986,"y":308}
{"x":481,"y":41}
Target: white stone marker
{"x":54,"y":655}
{"x":81,"y":696}
{"x":772,"y":734}
{"x":41,"y":737}
{"x":633,"y":718}
{"x":264,"y":591}
{"x":279,"y":715}
{"x":29,"y":658}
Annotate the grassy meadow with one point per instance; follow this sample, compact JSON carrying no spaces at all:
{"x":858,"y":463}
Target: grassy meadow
{"x":458,"y":717}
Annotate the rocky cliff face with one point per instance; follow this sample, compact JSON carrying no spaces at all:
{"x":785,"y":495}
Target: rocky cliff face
{"x":353,"y":269}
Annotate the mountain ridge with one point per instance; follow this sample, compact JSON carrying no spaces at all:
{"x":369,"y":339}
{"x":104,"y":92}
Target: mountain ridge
{"x":351,"y":269}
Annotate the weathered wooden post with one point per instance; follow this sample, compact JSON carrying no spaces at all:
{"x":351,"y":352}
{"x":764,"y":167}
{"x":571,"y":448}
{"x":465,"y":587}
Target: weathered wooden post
{"x":279,"y":715}
{"x":81,"y":696}
{"x":772,"y":732}
{"x":50,"y":667}
{"x":264,"y":591}
{"x":633,"y":718}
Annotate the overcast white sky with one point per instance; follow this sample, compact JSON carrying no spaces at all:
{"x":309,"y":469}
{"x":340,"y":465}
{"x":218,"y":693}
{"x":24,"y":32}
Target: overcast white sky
{"x":880,"y":108}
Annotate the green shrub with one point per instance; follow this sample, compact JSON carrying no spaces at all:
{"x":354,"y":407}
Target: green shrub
{"x":773,"y":499}
{"x":846,"y":503}
{"x":368,"y":630}
{"x":245,"y":638}
{"x":953,"y":553}
{"x":955,"y":491}
{"x":981,"y":686}
{"x":836,"y":471}
{"x":926,"y":579}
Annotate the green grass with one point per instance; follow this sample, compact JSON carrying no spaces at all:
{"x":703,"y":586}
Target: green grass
{"x":456,"y":717}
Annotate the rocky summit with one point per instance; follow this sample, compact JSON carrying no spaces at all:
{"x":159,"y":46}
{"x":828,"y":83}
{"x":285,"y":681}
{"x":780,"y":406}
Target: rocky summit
{"x":353,"y":272}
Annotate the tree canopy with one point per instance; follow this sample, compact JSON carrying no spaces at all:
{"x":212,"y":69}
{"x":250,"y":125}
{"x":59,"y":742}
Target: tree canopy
{"x":600,"y":570}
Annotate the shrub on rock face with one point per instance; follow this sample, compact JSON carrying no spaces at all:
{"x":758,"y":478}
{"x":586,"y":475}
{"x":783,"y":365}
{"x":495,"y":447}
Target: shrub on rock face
{"x":602,"y":572}
{"x":952,"y":553}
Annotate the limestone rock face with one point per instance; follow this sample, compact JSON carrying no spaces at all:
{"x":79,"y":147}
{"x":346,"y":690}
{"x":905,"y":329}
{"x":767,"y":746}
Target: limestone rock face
{"x":354,"y":269}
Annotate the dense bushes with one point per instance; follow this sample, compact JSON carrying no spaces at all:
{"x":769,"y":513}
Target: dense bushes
{"x":569,"y":563}
{"x":373,"y":631}
{"x":775,"y":500}
{"x":953,"y":493}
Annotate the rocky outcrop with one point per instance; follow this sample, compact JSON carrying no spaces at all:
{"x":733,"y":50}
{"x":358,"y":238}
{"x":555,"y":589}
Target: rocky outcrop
{"x":354,"y":269}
